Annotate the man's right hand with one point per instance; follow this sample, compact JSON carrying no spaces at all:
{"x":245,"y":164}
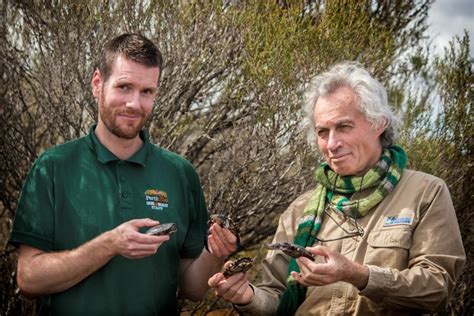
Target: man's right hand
{"x":127,"y":241}
{"x":235,"y":289}
{"x":42,"y":272}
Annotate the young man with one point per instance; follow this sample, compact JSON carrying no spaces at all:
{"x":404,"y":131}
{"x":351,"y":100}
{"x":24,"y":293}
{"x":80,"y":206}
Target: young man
{"x":385,"y":239}
{"x":85,"y":204}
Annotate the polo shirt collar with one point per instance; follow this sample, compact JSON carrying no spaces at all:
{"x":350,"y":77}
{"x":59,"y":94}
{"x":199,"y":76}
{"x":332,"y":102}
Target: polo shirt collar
{"x":105,"y":156}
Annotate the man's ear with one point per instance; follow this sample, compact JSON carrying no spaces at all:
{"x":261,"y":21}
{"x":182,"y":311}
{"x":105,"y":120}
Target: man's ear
{"x":96,"y":83}
{"x":379,"y":130}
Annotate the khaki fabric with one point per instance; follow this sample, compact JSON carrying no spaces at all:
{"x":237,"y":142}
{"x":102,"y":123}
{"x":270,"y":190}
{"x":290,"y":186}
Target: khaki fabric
{"x":412,"y":246}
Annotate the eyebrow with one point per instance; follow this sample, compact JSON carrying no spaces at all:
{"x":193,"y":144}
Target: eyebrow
{"x":129,"y":83}
{"x":337,"y":123}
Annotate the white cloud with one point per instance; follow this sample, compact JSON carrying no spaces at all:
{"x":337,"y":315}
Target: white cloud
{"x":448,"y":18}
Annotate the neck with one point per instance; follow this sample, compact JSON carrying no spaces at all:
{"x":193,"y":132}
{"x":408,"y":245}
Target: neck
{"x":120,"y":147}
{"x":372,"y":163}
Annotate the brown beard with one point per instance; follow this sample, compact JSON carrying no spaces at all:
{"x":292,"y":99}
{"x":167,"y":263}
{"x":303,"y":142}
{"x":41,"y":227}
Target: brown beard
{"x":109,"y":115}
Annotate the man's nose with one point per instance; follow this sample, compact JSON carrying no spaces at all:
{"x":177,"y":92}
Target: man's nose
{"x":334,"y":142}
{"x":133,"y":101}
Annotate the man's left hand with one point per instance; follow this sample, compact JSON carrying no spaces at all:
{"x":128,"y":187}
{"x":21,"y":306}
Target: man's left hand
{"x":221,"y":242}
{"x":336,"y":267}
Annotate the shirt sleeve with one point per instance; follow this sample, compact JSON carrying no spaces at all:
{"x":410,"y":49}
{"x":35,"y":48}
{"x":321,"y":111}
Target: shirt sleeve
{"x":197,"y":230}
{"x":275,"y":265}
{"x":436,"y":258}
{"x":34,"y":217}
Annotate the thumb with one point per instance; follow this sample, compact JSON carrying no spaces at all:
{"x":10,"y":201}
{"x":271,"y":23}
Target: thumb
{"x":215,"y":279}
{"x":143,"y":222}
{"x":319,"y":251}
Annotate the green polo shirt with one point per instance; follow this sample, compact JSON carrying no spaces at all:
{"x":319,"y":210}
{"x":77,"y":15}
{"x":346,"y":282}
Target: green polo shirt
{"x":78,"y":190}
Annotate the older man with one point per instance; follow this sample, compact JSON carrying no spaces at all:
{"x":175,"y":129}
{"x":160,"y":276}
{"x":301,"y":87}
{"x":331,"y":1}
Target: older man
{"x":385,"y":238}
{"x":85,"y":205}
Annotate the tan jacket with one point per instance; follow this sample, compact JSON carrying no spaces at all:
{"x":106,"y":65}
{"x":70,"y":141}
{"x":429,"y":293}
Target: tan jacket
{"x":412,"y":247}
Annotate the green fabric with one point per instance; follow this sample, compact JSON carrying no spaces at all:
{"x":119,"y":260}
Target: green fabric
{"x":78,"y":190}
{"x":335,"y":189}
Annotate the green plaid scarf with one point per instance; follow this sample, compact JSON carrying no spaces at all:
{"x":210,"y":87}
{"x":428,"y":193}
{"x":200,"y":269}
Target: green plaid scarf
{"x":384,"y":176}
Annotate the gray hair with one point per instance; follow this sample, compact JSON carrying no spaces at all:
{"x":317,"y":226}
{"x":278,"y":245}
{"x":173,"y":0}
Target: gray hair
{"x":372,"y":96}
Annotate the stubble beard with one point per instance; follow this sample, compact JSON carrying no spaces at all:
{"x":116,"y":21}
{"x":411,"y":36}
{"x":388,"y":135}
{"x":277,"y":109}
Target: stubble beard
{"x":109,"y":115}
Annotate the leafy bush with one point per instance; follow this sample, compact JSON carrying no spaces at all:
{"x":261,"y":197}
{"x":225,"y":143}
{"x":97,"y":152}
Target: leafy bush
{"x":230,"y":97}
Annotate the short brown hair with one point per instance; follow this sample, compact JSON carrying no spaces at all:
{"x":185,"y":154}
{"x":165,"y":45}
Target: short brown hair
{"x":134,"y":47}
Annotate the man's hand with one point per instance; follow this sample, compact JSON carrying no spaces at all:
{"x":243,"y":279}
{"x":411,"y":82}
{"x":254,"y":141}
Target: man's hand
{"x":127,"y":241}
{"x":195,"y":273}
{"x":336,"y":268}
{"x":41,"y":272}
{"x":221,"y":242}
{"x":235,"y":289}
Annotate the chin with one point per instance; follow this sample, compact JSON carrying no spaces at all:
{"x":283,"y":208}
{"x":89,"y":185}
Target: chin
{"x":126,"y":133}
{"x":341,"y":170}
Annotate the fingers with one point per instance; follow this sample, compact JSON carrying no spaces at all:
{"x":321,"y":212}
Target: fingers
{"x":143,"y":222}
{"x":213,"y":247}
{"x":130,"y":243}
{"x":231,"y":289}
{"x":215,"y":279}
{"x":226,"y":238}
{"x":150,"y":239}
{"x":129,"y":232}
{"x":308,"y":266}
{"x":221,"y":242}
{"x":227,"y":235}
{"x":135,"y":249}
{"x":310,"y":273}
{"x":333,"y":269}
{"x":310,"y":279}
{"x":241,"y":289}
{"x":298,"y":278}
{"x":319,"y":250}
{"x":216,"y":247}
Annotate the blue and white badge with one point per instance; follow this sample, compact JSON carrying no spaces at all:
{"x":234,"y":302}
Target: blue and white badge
{"x":404,"y":218}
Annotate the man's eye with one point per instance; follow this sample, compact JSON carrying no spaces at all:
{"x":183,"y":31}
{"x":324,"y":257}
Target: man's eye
{"x":322,"y":133}
{"x":124,"y":87}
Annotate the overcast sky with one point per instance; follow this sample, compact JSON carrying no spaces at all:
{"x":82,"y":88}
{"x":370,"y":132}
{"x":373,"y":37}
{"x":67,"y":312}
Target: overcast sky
{"x":448,"y":18}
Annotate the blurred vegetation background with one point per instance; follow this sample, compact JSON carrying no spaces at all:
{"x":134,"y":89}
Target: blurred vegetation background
{"x":230,"y":100}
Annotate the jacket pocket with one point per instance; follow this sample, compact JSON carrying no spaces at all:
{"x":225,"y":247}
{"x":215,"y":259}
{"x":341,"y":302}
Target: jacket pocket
{"x":389,"y":247}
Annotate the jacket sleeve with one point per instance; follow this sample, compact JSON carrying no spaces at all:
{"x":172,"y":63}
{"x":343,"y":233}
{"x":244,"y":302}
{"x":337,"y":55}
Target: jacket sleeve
{"x":275,"y":265}
{"x":435,"y":261}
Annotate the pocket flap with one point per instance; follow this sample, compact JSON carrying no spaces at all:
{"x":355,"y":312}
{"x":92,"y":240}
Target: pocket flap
{"x":396,"y":237}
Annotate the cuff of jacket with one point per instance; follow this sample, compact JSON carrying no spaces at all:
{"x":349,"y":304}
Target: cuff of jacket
{"x":257,"y":306}
{"x":379,"y":283}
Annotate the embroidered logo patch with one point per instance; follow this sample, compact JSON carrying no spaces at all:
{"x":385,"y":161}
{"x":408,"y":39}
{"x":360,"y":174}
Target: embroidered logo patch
{"x":404,"y":218}
{"x":156,"y":199}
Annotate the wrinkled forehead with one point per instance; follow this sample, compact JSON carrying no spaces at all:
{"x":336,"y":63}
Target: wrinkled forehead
{"x":341,"y":100}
